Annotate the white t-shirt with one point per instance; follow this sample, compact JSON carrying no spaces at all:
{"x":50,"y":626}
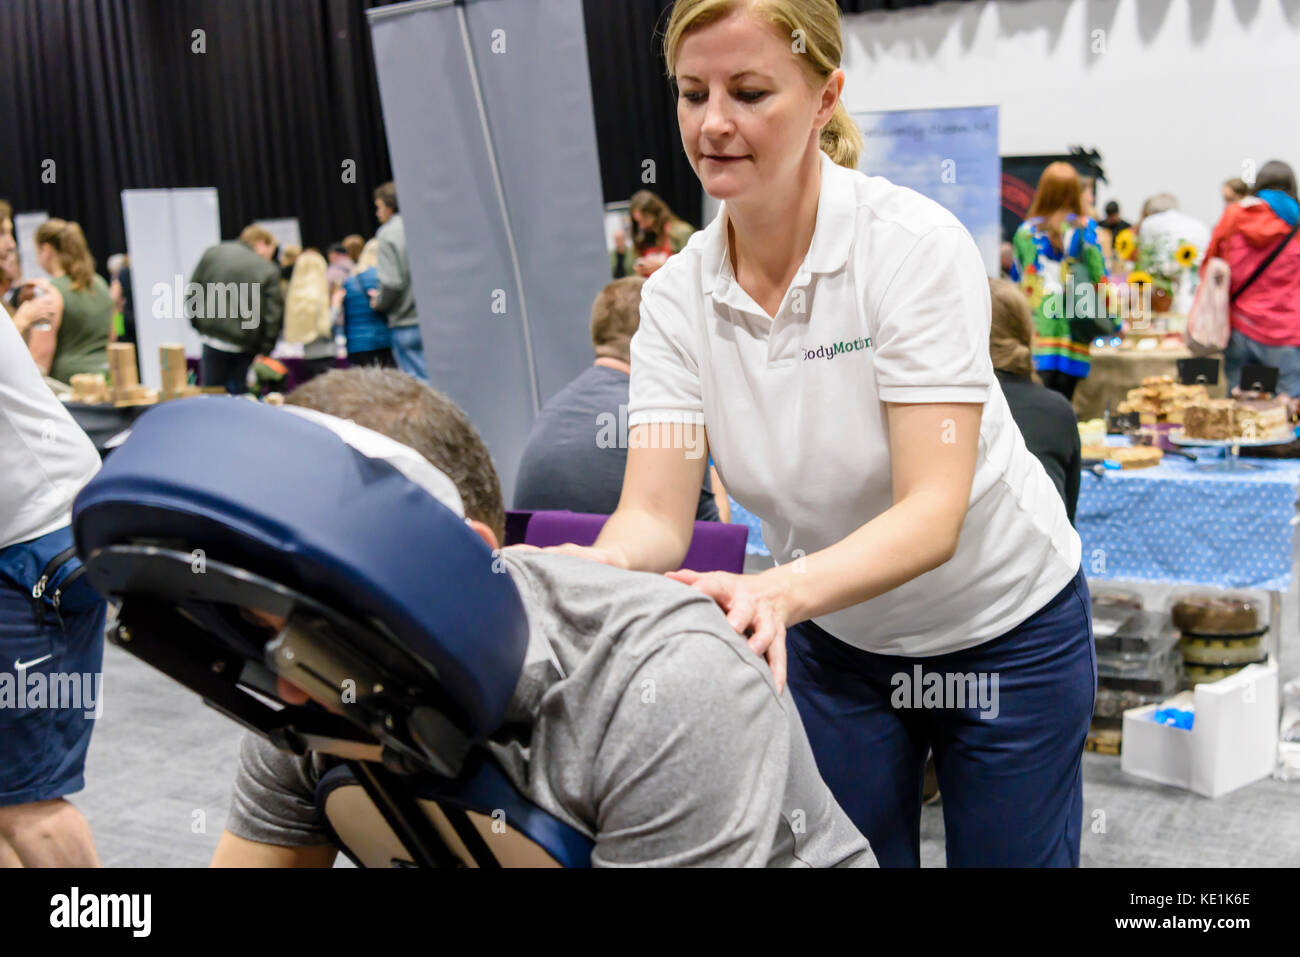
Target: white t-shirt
{"x":45,"y":457}
{"x":891,"y":304}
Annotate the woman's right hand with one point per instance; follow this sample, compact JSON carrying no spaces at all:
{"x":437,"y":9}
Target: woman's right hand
{"x":606,"y":556}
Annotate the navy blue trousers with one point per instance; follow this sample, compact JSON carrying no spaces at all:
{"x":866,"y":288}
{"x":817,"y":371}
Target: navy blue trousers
{"x":1006,"y":721}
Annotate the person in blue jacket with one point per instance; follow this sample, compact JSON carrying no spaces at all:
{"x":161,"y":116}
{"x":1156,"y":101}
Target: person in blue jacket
{"x":369,"y":342}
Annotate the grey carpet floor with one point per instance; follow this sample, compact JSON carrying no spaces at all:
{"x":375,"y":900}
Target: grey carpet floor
{"x":160,"y":766}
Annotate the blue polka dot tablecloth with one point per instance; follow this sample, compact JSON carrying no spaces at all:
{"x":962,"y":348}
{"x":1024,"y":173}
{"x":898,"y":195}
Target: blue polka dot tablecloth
{"x":1179,"y":524}
{"x":1175,"y":524}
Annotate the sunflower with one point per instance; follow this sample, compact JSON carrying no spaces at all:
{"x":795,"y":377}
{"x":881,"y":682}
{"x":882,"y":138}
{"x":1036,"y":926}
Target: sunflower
{"x":1125,"y":244}
{"x":1187,"y":255}
{"x":1141,"y":278}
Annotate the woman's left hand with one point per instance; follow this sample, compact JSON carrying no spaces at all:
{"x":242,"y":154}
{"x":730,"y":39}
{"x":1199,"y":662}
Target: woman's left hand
{"x":756,"y":606}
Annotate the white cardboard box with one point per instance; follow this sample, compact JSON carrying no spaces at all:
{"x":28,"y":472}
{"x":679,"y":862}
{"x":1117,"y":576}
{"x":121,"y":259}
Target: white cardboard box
{"x":1232,"y":742}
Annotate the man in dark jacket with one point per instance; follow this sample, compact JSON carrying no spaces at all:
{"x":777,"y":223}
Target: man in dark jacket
{"x":235,"y":304}
{"x":577,"y":451}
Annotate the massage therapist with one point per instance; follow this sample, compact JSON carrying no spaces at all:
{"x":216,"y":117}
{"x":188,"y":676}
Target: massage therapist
{"x":829,"y":332}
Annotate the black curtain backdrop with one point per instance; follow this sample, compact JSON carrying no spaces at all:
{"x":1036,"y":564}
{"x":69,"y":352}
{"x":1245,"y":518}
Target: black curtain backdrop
{"x":97,"y":96}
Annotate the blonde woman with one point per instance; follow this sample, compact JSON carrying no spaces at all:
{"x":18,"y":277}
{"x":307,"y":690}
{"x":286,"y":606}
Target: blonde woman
{"x":83,"y":331}
{"x":307,"y":312}
{"x":828,"y":337}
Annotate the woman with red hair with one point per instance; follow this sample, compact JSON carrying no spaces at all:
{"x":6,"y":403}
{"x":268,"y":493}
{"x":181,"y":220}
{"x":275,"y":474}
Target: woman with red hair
{"x":1059,"y":265}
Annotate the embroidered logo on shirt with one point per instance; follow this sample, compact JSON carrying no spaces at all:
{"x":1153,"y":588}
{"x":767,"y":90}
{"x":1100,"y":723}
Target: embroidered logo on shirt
{"x":837,"y":348}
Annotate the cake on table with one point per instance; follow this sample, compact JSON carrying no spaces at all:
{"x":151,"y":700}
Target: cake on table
{"x":1260,"y":415}
{"x":1161,"y":399}
{"x":1136,"y":457}
{"x":1210,"y":419}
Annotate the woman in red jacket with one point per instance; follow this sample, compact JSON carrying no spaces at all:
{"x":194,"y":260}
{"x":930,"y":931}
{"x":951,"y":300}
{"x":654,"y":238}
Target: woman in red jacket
{"x":1266,"y":315}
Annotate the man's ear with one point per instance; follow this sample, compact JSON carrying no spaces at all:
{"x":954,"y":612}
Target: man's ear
{"x":484,"y":532}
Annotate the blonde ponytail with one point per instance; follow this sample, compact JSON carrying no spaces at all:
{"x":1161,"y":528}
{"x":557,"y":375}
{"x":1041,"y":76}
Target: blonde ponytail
{"x":841,"y":139}
{"x":69,"y":245}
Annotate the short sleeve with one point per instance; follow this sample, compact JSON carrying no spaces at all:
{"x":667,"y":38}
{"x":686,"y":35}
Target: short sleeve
{"x":931,"y":334}
{"x":665,"y":379}
{"x":274,"y":797}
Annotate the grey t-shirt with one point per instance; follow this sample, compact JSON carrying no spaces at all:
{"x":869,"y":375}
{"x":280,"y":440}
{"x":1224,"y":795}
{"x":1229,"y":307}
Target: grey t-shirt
{"x":576,"y":451}
{"x":664,"y":740}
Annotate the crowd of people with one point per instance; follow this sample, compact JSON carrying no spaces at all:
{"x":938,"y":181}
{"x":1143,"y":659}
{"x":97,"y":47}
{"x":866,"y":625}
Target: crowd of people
{"x":917,"y":492}
{"x":361,"y":294}
{"x":1078,"y":270}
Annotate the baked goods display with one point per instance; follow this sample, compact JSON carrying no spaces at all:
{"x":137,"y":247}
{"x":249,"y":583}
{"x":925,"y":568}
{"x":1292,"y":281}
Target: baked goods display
{"x":1215,"y":615}
{"x":1222,"y":652}
{"x":1221,"y":633}
{"x":1248,"y":416}
{"x":1201,"y":674}
{"x":1143,"y":656}
{"x":1143,"y":634}
{"x":1161,"y":399}
{"x":1092,"y":432}
{"x":1212,"y":419}
{"x":1115,"y":598}
{"x":1135,"y":457}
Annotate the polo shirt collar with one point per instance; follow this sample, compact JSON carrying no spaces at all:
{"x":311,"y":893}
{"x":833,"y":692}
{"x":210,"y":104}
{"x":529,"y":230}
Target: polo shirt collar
{"x":832,"y":234}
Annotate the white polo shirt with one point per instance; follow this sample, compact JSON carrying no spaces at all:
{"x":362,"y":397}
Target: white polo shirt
{"x":45,"y":457}
{"x":891,"y":304}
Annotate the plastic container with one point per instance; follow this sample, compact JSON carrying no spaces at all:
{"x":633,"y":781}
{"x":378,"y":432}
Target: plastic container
{"x":1112,"y":702}
{"x":1118,"y":598}
{"x":1141,"y":634}
{"x":1161,"y":684}
{"x":1213,"y":614}
{"x":1218,"y":652}
{"x":1199,"y":674}
{"x":1156,"y":666}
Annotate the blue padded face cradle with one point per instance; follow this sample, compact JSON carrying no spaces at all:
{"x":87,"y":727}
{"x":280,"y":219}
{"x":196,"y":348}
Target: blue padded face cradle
{"x":283,"y":497}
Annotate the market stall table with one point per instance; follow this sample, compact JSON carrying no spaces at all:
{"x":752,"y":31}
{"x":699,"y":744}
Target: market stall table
{"x":1177,"y":524}
{"x":1115,"y":370}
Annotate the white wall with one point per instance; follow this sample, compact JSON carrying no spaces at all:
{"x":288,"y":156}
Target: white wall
{"x":1180,"y":94}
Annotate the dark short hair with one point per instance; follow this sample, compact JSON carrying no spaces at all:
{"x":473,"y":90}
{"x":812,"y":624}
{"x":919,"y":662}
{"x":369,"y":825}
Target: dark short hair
{"x":1112,"y":208}
{"x":387,"y":194}
{"x":6,"y":211}
{"x":409,"y":411}
{"x":1276,"y":174}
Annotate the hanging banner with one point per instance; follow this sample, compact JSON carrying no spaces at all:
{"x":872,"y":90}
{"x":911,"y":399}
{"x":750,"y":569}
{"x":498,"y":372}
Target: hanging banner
{"x":167,"y":231}
{"x":949,"y":155}
{"x":487,"y":107}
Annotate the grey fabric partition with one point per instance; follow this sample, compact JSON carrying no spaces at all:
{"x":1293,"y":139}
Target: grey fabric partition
{"x":487,"y":107}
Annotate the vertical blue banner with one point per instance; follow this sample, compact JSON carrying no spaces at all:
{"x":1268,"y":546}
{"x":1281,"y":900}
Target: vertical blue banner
{"x":949,"y":155}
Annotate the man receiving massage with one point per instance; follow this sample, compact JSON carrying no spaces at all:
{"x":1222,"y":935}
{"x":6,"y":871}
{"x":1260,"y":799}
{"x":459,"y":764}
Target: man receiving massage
{"x":655,"y":730}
